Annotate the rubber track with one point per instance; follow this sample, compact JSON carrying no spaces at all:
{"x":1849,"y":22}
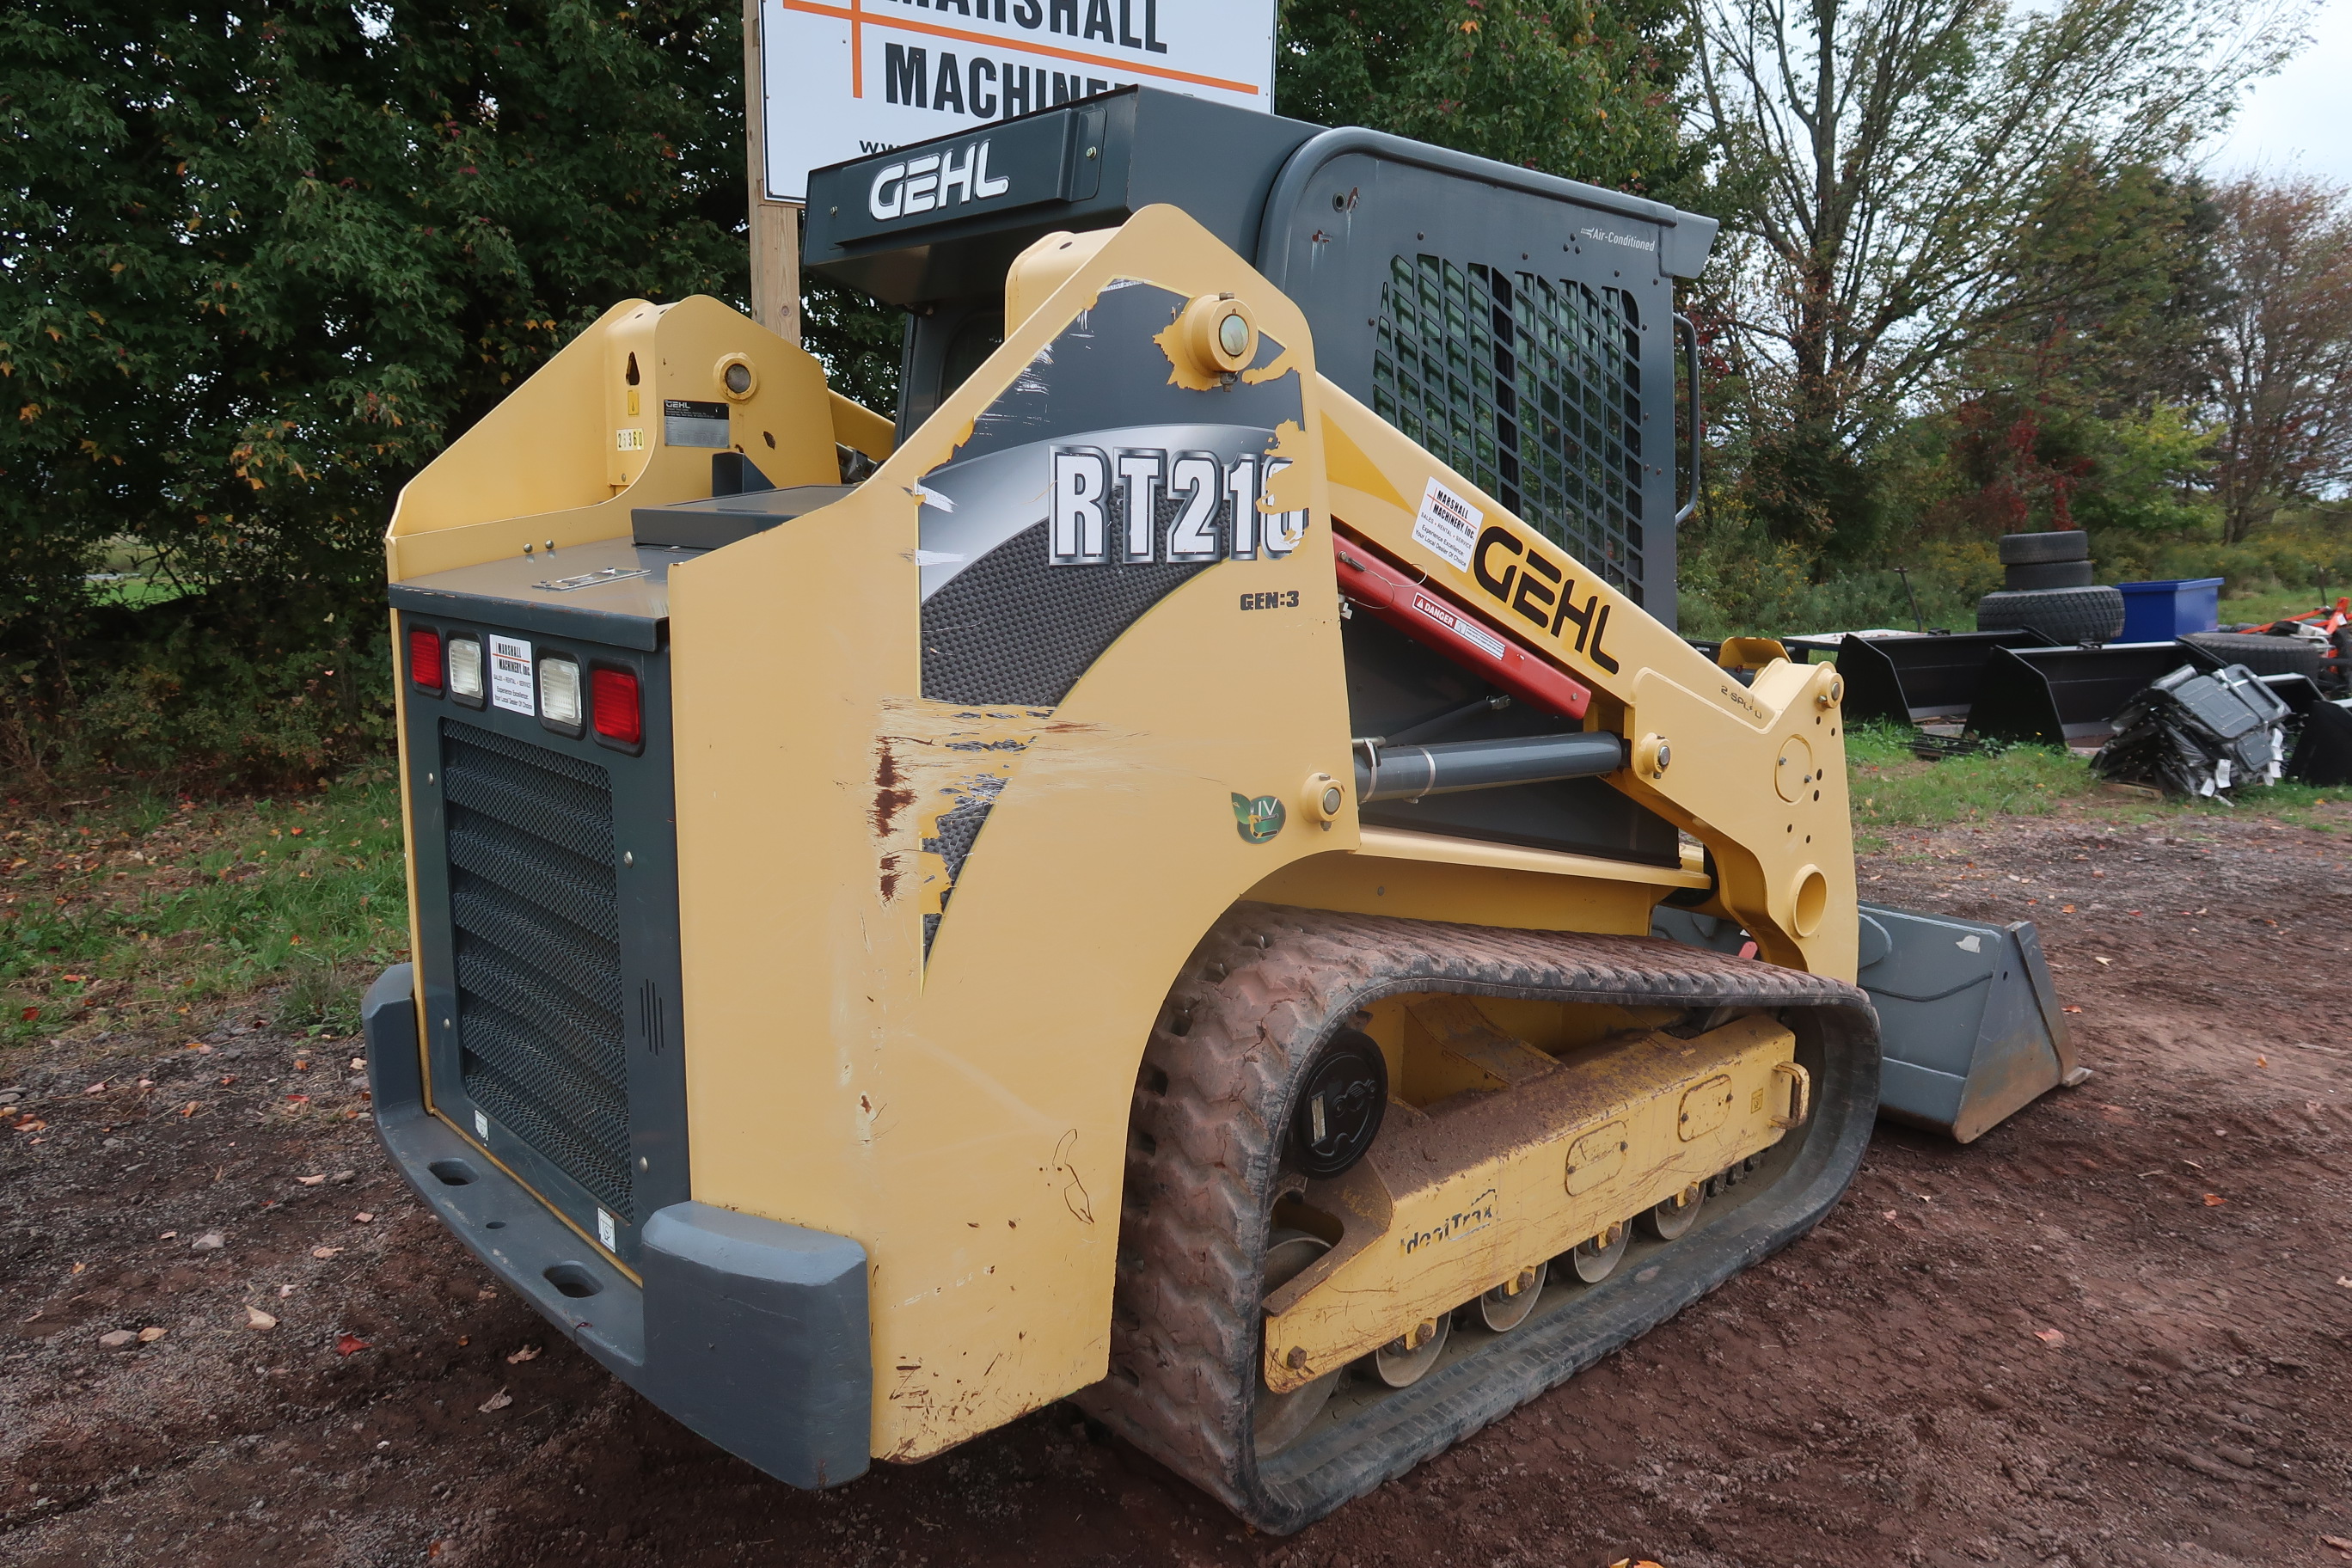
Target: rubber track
{"x":1258,"y":994}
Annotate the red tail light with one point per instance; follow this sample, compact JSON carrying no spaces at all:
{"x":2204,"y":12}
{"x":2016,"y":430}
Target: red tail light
{"x":618,"y":717}
{"x":425,"y":661}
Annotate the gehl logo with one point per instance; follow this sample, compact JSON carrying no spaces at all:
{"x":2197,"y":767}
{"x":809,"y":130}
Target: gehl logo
{"x":934,"y":181}
{"x":1108,"y":508}
{"x":1539,"y":591}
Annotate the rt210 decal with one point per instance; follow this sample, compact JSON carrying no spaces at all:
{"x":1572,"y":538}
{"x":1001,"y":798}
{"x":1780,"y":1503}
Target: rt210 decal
{"x":1107,"y":507}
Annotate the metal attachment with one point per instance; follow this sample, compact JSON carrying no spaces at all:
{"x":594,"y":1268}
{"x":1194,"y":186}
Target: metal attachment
{"x":628,"y":858}
{"x":1801,"y":1094}
{"x":738,"y":378}
{"x":1652,"y":756}
{"x":1217,"y":333}
{"x":1831,"y":695}
{"x":1340,"y":1104}
{"x":1322,"y":797}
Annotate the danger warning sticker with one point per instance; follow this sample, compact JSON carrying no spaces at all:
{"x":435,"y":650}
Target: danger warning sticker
{"x":1463,"y":627}
{"x":510,"y":674}
{"x":1447,"y":524}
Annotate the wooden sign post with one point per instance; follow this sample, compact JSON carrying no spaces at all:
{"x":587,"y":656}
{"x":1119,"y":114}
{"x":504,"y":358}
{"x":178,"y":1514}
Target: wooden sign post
{"x":775,"y":226}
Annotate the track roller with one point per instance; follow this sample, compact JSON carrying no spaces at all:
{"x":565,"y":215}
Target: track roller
{"x":1506,"y":1306}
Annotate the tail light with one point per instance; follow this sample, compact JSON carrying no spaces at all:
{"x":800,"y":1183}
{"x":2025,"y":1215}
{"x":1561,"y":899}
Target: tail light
{"x":425,"y":661}
{"x":559,"y":695}
{"x":620,"y":717}
{"x":463,"y":659}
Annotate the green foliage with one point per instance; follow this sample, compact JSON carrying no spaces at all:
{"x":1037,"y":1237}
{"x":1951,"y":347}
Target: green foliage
{"x":136,"y":905}
{"x":858,"y":339}
{"x":264,"y":264}
{"x":1588,"y":90}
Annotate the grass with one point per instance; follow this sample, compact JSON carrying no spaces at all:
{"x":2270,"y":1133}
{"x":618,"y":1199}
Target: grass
{"x":2253,"y":609}
{"x":128,"y":908}
{"x":1893,"y":788}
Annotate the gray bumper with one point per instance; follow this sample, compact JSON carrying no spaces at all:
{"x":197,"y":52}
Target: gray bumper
{"x":750,"y":1332}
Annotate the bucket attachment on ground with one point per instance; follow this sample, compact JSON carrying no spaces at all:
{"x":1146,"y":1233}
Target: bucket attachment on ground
{"x":1967,"y":1017}
{"x":2192,"y":734}
{"x":2065,"y":696}
{"x":1921,"y":679}
{"x":2323,"y":743}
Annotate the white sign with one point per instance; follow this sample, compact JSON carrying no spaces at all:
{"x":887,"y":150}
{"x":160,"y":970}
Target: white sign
{"x":510,"y":675}
{"x":1448,"y":524}
{"x":844,"y":80}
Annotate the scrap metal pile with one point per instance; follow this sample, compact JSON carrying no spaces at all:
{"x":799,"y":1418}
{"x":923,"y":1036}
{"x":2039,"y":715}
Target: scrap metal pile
{"x":2198,"y":734}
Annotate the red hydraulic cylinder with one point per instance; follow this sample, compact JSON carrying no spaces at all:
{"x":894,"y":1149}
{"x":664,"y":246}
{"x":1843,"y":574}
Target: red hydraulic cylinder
{"x":1423,"y":614}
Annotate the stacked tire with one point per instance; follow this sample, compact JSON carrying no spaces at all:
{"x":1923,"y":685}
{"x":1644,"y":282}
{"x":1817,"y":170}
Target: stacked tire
{"x":2047,"y":588}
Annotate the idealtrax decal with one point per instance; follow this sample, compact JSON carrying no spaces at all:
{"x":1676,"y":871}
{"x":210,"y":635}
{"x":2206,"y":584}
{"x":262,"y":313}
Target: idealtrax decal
{"x":1476,"y":1217}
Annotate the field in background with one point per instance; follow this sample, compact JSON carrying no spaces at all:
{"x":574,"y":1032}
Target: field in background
{"x":1893,"y":788}
{"x":121,"y":909}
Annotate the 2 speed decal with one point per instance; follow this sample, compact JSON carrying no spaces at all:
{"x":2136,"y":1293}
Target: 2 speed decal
{"x":1149,"y":504}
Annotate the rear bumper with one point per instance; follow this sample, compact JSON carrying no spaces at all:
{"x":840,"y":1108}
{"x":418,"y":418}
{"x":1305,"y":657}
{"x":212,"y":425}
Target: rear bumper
{"x":753,"y":1332}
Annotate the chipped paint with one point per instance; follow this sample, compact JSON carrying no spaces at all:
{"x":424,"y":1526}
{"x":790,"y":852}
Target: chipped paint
{"x":1284,"y":365}
{"x":1181,"y":370}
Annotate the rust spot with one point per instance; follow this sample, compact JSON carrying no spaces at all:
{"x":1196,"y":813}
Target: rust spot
{"x":890,"y":872}
{"x":891,"y":794}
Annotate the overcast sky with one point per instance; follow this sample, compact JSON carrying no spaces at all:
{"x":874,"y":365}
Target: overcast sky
{"x":2299,"y":119}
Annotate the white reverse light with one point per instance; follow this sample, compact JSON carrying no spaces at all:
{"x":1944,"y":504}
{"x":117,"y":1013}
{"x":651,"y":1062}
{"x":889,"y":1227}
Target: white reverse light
{"x":559,"y":692}
{"x":463,"y":667}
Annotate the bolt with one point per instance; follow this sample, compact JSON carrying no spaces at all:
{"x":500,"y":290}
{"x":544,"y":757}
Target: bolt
{"x":1297,"y":1359}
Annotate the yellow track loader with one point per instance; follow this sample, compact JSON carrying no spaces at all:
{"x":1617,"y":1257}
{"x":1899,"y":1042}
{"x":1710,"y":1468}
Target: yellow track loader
{"x":1183,"y":869}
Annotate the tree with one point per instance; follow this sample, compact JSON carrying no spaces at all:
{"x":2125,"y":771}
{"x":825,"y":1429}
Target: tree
{"x":1588,"y":90}
{"x":1882,"y":160}
{"x":2074,"y":402}
{"x":2282,"y":365}
{"x":263,"y":263}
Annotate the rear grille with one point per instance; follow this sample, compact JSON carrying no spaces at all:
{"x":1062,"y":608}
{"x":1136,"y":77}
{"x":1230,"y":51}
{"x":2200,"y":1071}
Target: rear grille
{"x":536,"y":917}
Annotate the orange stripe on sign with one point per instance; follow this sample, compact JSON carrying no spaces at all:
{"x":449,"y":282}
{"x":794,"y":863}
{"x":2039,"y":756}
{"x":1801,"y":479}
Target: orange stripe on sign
{"x":860,"y":19}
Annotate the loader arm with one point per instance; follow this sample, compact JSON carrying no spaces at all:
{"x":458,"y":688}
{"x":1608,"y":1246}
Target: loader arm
{"x":1756,"y":773}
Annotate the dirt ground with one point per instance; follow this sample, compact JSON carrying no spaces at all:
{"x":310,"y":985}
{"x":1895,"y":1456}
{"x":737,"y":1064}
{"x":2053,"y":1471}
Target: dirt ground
{"x":2113,"y":1331}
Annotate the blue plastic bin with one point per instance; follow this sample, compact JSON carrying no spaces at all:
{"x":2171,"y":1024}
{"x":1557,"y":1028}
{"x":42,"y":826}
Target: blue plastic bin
{"x":2159,"y":611}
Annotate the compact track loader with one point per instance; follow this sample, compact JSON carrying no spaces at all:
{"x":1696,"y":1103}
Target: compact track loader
{"x":1187,"y":871}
